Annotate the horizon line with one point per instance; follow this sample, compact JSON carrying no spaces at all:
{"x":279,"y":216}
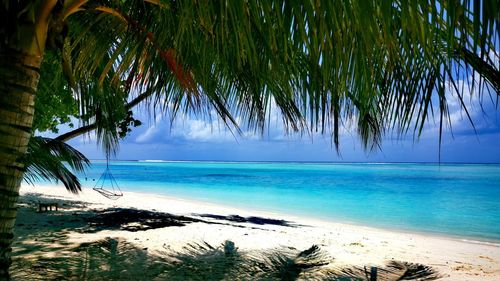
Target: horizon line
{"x":296,"y":161}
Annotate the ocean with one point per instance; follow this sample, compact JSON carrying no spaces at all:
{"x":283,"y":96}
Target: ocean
{"x":459,"y":200}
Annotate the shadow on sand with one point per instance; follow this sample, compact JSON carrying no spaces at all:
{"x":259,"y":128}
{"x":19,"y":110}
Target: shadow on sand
{"x":112,"y":259}
{"x":251,"y":220}
{"x":42,"y":252}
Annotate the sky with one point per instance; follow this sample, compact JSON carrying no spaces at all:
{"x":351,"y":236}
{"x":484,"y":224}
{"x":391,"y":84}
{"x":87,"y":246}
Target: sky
{"x":191,"y":138}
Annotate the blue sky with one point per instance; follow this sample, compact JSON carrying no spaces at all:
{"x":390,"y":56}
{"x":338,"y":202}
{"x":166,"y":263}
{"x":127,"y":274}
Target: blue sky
{"x":190,"y":138}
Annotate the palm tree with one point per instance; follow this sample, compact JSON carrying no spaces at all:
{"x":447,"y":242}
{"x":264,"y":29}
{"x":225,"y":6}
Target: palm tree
{"x":383,"y":64}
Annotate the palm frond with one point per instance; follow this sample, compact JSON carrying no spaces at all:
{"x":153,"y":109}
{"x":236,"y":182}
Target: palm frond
{"x":385,"y":64}
{"x":46,"y":159}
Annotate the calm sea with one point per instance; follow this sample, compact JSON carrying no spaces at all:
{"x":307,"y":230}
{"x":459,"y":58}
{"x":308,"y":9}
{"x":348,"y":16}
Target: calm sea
{"x":457,"y":200}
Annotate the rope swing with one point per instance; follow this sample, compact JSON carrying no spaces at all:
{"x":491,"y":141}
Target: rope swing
{"x":107,"y":185}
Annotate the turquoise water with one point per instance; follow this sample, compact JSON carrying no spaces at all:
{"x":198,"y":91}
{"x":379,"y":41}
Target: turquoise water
{"x":458,"y":200}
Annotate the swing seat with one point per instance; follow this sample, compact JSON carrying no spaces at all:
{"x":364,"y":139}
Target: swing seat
{"x":107,"y":185}
{"x":108,"y":194}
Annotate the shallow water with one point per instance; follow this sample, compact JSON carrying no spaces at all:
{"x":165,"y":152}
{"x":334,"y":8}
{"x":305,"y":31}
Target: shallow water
{"x":457,"y":200}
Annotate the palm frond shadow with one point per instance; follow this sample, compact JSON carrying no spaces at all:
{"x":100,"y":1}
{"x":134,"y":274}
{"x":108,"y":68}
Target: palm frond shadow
{"x":202,"y":261}
{"x":394,"y":270}
{"x":108,"y":259}
{"x":115,"y":259}
{"x":286,"y":264}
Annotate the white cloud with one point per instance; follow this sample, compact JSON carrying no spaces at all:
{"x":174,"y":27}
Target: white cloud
{"x":458,"y":118}
{"x":186,"y":127}
{"x":152,"y":131}
{"x":201,"y":130}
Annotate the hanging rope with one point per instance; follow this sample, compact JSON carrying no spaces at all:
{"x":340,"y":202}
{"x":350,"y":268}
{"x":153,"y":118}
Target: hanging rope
{"x":107,"y":185}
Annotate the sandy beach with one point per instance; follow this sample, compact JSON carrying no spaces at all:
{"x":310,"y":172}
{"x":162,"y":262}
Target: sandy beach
{"x":48,"y":234}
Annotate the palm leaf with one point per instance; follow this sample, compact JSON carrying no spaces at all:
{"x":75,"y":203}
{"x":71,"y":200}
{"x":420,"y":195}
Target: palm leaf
{"x":46,"y":159}
{"x":383,"y":64}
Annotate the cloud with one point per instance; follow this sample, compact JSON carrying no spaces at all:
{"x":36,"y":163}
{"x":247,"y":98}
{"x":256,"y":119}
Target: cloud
{"x":207,"y":137}
{"x":186,"y":128}
{"x":189,"y":127}
{"x":480,"y":109}
{"x":151,"y":132}
{"x":193,"y":129}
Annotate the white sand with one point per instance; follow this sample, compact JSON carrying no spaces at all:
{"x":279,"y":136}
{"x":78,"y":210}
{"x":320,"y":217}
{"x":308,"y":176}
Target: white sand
{"x":348,"y":244}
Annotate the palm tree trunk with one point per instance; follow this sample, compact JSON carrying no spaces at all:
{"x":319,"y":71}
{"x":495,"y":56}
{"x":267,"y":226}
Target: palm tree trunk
{"x":20,"y":57}
{"x":19,"y":74}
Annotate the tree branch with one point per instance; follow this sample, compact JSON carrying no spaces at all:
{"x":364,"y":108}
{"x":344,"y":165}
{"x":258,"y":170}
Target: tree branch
{"x":90,"y":127}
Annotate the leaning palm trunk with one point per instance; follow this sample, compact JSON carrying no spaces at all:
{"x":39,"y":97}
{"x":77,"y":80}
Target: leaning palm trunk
{"x":20,"y":60}
{"x":18,"y":81}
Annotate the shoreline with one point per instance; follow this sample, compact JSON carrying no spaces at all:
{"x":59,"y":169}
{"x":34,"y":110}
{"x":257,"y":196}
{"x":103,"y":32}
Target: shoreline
{"x":350,"y":244}
{"x":294,"y":217}
{"x":228,"y":208}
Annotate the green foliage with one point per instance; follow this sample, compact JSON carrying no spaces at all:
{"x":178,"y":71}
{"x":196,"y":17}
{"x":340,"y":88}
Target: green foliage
{"x":55,"y":103}
{"x":382,"y":64}
{"x":51,"y":159}
{"x":128,"y":121}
